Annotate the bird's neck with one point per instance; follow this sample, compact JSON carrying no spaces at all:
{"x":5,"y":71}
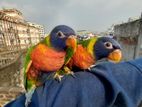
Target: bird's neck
{"x":46,"y":41}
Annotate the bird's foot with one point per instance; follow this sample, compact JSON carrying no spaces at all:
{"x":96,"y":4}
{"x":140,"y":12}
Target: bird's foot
{"x":58,"y":76}
{"x":68,"y":71}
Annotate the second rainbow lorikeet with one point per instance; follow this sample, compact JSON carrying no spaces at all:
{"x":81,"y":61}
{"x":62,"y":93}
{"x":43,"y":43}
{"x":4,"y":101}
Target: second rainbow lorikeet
{"x":89,"y":51}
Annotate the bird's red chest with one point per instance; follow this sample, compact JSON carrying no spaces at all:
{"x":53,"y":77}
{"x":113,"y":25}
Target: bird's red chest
{"x":82,"y":58}
{"x":47,"y":59}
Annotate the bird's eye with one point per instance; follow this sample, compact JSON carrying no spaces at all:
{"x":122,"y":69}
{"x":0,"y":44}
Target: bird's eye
{"x":108,"y":45}
{"x":60,"y":34}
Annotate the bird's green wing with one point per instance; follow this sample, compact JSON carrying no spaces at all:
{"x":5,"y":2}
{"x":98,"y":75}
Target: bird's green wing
{"x":84,"y":43}
{"x":27,"y":64}
{"x":69,"y":54}
{"x":89,"y":44}
{"x":27,"y":57}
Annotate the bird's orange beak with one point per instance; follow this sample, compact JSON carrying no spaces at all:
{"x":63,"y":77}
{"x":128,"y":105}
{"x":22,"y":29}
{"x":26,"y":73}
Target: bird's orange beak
{"x":71,"y":42}
{"x":115,"y":56}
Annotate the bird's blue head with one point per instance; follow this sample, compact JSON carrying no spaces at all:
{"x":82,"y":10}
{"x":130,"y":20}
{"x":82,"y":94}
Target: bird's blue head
{"x":62,"y":36}
{"x":106,"y":47}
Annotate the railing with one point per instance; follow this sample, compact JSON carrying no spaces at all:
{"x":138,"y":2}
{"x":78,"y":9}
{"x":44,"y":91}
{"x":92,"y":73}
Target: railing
{"x":8,"y":57}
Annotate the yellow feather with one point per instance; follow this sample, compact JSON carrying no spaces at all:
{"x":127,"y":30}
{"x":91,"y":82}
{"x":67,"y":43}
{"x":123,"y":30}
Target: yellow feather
{"x":91,"y":45}
{"x":47,"y":39}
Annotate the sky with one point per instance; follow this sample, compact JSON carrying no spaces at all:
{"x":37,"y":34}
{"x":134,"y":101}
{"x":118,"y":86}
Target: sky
{"x":92,"y":15}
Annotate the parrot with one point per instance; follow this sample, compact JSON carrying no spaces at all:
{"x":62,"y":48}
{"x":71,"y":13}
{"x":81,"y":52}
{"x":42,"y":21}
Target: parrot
{"x":50,"y":55}
{"x":89,"y":51}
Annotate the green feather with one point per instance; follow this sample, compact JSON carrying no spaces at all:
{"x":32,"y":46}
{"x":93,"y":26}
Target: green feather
{"x":29,"y":84}
{"x":46,"y":41}
{"x":84,"y":43}
{"x":69,"y":54}
{"x":27,"y":60}
{"x":89,"y":44}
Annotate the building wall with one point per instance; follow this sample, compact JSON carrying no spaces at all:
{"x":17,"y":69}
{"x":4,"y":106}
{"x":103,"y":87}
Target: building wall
{"x":130,"y":37}
{"x":13,"y":13}
{"x":15,"y":32}
{"x":40,"y":29}
{"x":9,"y":35}
{"x":7,"y":94}
{"x":11,"y":84}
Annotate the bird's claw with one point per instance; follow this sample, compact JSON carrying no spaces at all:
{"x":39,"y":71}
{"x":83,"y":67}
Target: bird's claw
{"x":72,"y":73}
{"x":68,"y":71}
{"x":58,"y":77}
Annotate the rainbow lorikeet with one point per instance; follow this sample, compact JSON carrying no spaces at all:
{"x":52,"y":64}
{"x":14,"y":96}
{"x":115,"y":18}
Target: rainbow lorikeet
{"x":50,"y":55}
{"x":89,"y":51}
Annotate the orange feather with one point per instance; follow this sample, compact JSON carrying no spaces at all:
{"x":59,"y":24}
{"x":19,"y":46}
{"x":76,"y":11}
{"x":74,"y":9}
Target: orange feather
{"x":82,"y":58}
{"x":47,"y":59}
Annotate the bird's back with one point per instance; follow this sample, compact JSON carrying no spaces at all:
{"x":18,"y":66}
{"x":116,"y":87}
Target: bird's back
{"x":82,"y":58}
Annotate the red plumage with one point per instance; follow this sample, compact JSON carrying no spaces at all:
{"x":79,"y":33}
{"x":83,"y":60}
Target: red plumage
{"x":82,"y":59}
{"x":47,"y":59}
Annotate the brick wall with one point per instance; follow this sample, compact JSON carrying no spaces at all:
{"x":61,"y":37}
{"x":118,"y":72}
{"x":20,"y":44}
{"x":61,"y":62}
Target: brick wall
{"x":8,"y":94}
